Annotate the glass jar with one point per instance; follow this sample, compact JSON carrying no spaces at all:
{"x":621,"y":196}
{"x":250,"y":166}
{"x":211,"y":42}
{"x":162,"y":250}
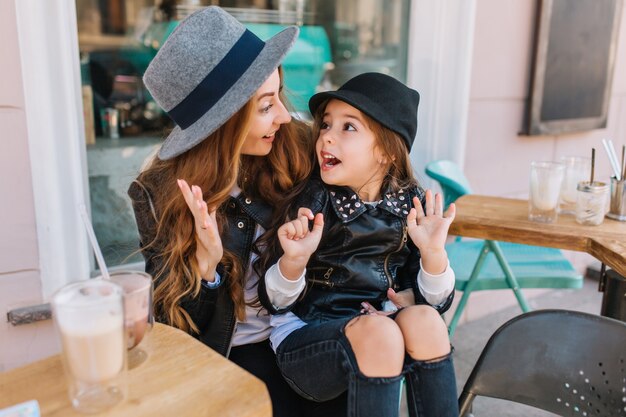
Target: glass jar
{"x":591,"y":202}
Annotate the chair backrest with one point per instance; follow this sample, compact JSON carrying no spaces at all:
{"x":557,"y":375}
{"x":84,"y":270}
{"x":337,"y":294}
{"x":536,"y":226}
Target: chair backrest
{"x":451,"y":179}
{"x":565,"y":362}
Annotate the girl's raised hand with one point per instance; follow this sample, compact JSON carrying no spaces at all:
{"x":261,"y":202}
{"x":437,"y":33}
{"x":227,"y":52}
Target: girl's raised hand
{"x":209,"y":250}
{"x":429,"y":229}
{"x":298,"y":242}
{"x":295,"y":237}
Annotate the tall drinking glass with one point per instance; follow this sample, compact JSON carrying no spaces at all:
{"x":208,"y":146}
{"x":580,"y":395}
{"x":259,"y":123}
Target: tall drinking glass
{"x":577,"y":169}
{"x":545,"y":186}
{"x":137,"y":287}
{"x":89,"y":318}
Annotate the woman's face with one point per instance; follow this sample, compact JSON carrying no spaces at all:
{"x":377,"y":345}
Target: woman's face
{"x":268,"y":114}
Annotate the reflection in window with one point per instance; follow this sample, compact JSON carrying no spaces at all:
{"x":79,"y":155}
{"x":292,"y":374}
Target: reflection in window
{"x":124,"y":126}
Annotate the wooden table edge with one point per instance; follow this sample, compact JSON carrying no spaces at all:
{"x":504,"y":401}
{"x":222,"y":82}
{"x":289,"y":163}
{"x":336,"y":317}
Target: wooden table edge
{"x":601,"y":248}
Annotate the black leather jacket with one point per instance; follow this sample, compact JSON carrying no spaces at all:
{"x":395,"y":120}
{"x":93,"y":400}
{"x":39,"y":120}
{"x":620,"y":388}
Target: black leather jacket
{"x":213,"y":310}
{"x":364,"y":251}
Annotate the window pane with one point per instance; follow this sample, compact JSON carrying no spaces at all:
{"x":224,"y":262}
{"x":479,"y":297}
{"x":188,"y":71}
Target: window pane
{"x":124,"y":126}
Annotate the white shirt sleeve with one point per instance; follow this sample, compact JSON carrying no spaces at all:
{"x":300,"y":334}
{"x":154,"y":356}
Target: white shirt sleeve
{"x":282,"y":292}
{"x":436,"y":288}
{"x":214,"y":284}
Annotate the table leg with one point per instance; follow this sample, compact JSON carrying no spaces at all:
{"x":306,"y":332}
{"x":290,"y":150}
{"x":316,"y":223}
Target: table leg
{"x":613,"y":286}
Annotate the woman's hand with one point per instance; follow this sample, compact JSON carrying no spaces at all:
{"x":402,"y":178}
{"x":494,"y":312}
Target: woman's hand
{"x":209,"y":250}
{"x":404,"y":298}
{"x":298,"y":242}
{"x":429,"y":231}
{"x":367,"y":308}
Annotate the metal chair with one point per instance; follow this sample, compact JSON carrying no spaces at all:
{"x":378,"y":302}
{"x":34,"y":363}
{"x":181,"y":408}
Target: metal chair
{"x":565,"y":362}
{"x":510,"y":265}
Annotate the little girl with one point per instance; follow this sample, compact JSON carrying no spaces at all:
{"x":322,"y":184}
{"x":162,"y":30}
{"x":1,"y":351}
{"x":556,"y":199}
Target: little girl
{"x":329,"y":339}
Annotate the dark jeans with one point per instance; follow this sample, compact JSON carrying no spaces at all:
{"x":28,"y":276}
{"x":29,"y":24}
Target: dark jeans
{"x":318,"y":362}
{"x":260,"y":361}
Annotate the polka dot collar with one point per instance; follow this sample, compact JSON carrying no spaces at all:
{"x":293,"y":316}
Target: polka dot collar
{"x":348,"y":205}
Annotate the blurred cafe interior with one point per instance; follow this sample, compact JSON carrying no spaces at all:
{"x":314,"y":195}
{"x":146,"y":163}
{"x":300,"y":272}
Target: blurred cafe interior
{"x":123,"y":124}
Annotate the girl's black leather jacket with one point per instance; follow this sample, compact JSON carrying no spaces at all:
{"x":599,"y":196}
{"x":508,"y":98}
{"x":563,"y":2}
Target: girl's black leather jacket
{"x":364,"y":250}
{"x":213,"y":310}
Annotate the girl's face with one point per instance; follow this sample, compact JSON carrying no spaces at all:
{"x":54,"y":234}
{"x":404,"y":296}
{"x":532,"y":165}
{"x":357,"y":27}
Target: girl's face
{"x":268,"y":114}
{"x":347,"y":152}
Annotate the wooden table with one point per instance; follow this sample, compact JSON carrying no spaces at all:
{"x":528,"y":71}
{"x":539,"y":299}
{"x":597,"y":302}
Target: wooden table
{"x":181,"y":377}
{"x":506,"y":219}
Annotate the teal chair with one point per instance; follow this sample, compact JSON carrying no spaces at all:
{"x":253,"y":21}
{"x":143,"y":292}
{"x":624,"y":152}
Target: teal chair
{"x":490,"y":265}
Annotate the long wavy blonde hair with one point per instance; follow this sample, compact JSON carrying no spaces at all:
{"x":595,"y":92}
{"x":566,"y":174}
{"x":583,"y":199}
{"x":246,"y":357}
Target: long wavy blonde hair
{"x":216,"y":165}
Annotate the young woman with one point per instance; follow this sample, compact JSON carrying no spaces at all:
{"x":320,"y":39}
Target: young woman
{"x":231,"y":161}
{"x":374,"y":230}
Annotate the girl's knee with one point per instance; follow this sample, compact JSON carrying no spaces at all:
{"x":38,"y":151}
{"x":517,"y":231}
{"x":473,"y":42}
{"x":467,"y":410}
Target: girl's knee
{"x":377,"y":331}
{"x":424,"y":331}
{"x":378,"y":345}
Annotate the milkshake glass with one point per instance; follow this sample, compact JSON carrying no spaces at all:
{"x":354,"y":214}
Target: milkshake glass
{"x":89,"y":318}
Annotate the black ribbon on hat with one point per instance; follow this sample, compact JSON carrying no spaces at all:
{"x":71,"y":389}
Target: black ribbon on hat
{"x":217,"y":82}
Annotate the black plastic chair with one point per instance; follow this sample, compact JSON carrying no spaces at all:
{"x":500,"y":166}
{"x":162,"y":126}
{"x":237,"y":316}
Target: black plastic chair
{"x":565,"y":362}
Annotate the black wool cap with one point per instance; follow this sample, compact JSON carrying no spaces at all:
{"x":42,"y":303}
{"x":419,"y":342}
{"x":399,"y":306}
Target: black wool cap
{"x":381,"y":97}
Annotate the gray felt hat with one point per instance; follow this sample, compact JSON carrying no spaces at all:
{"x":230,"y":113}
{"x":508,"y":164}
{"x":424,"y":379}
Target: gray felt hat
{"x":208,"y":69}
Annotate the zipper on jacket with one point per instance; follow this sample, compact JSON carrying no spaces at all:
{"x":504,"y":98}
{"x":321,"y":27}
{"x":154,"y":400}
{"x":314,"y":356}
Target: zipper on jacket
{"x":402,"y":243}
{"x":328,"y":273}
{"x":326,"y":280}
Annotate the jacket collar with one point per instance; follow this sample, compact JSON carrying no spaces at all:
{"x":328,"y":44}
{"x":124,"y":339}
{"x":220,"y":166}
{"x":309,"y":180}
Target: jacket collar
{"x":260,"y":211}
{"x":348,"y":206}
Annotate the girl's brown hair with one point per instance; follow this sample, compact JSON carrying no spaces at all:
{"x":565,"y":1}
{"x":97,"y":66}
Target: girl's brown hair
{"x":216,"y":165}
{"x":399,"y":171}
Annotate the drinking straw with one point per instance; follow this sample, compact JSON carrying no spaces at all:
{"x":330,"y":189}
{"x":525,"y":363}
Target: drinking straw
{"x":612,"y":157}
{"x":94,"y":241}
{"x":623,"y":163}
{"x":593,"y":163}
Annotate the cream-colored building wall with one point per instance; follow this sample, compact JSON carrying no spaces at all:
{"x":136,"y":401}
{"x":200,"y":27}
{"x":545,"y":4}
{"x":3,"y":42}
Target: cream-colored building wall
{"x":497,"y":158}
{"x":20,"y":282}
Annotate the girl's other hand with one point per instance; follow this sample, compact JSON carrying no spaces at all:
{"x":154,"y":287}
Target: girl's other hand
{"x":298,"y":242}
{"x":209,"y":250}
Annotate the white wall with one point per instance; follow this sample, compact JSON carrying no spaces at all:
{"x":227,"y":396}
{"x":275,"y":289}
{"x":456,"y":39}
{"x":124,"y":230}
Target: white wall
{"x":20,"y":282}
{"x":497,"y":158}
{"x":439,"y":65}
